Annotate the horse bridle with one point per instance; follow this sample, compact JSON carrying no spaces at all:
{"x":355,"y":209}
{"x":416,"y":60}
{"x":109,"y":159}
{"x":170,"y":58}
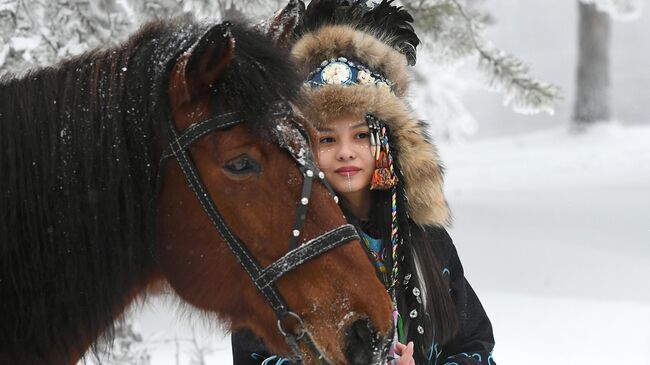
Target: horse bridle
{"x":263,"y":278}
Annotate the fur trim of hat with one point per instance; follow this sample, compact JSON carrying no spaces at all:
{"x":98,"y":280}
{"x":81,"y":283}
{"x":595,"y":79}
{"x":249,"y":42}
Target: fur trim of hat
{"x":339,"y":40}
{"x":382,"y":40}
{"x":418,"y":157}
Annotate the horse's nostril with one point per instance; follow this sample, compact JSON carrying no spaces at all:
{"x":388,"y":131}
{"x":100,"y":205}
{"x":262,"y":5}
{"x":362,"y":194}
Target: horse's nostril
{"x":362,"y":344}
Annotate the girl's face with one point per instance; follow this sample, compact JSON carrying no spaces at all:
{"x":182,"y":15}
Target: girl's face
{"x":345,"y":154}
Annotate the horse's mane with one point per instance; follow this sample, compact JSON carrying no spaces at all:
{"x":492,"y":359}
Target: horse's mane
{"x":79,"y":147}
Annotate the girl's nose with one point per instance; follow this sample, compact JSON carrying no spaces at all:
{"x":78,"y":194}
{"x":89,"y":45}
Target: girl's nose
{"x":345,"y":153}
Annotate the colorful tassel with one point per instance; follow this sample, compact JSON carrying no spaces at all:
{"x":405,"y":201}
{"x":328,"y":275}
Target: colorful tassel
{"x":383,"y":178}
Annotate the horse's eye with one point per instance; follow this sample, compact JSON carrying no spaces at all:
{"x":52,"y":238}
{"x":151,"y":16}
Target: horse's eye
{"x":242,"y":165}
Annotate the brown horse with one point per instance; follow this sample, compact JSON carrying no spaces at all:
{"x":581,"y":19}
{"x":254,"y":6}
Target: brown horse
{"x":89,"y":216}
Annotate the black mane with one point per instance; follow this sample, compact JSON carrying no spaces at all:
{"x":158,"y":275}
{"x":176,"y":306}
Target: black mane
{"x":79,"y":147}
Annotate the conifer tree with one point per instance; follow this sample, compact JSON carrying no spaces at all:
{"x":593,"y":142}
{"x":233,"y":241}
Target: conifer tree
{"x":453,"y":32}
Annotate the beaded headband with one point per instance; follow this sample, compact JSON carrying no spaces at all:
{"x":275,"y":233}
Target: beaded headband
{"x":341,"y":71}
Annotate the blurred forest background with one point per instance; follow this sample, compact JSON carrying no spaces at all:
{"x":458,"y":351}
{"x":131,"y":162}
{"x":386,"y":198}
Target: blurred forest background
{"x":38,"y":33}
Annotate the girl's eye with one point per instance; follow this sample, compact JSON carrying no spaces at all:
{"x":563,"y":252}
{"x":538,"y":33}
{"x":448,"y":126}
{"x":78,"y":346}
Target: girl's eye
{"x":363,"y":135}
{"x":326,"y":140}
{"x":242,"y":165}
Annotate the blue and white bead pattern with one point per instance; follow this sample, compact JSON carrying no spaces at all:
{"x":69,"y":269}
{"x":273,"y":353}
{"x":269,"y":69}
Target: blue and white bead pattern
{"x":341,"y":71}
{"x":336,"y":73}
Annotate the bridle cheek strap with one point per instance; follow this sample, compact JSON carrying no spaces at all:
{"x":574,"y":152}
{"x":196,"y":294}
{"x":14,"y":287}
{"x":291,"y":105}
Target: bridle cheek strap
{"x":263,"y":278}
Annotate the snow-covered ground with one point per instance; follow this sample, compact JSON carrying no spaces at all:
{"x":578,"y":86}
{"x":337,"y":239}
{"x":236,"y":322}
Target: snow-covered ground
{"x":554,"y":231}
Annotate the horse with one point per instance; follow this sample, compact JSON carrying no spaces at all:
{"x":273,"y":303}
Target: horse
{"x":175,"y":157}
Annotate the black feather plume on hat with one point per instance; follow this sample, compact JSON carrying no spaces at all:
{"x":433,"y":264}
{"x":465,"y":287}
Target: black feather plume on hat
{"x":395,"y":21}
{"x":390,"y":23}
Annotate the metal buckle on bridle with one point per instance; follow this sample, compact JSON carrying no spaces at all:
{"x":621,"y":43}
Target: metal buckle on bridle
{"x":292,"y":341}
{"x":263,"y":278}
{"x":302,"y":331}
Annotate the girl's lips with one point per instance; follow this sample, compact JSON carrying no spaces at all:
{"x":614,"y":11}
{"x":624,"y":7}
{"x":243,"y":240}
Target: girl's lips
{"x":347,"y":170}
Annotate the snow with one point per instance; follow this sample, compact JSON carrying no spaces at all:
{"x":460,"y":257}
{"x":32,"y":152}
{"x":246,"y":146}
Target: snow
{"x":553,"y":158}
{"x":553,"y":231}
{"x":4,"y":51}
{"x":25,"y":43}
{"x":290,"y":138}
{"x":442,"y":93}
{"x":548,"y":330}
{"x":544,"y":35}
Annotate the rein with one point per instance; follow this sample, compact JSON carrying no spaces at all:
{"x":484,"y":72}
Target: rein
{"x":263,"y":278}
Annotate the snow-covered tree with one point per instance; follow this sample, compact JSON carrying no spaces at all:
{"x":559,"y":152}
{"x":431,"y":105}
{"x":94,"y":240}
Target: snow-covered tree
{"x":454,"y":33}
{"x":36,"y":33}
{"x":592,"y":102}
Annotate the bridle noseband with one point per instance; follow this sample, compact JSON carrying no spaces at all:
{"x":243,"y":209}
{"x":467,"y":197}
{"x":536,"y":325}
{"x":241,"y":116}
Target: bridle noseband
{"x":263,"y":278}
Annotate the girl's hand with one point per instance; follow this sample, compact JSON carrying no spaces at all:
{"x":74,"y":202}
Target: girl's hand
{"x":405,"y":353}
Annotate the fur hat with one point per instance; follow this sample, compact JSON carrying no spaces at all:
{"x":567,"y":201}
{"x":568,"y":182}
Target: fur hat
{"x":379,"y":42}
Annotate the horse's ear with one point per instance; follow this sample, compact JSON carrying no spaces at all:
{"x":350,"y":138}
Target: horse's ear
{"x":203,"y":63}
{"x":280,"y":27}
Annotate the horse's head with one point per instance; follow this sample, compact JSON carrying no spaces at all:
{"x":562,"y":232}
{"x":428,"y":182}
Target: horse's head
{"x":254,"y":172}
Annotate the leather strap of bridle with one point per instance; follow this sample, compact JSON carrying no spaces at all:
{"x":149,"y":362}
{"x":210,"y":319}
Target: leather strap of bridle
{"x":309,"y":172}
{"x":304,"y":253}
{"x":263,"y":278}
{"x":242,"y":254}
{"x":303,"y":205}
{"x":191,"y":134}
{"x":198,"y":130}
{"x":306,"y":338}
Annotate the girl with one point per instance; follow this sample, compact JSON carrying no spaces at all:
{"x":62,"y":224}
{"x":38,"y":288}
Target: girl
{"x":385,"y":170}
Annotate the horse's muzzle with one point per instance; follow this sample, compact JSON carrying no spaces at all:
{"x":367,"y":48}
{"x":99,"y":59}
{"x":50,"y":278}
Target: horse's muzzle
{"x":364,"y":346}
